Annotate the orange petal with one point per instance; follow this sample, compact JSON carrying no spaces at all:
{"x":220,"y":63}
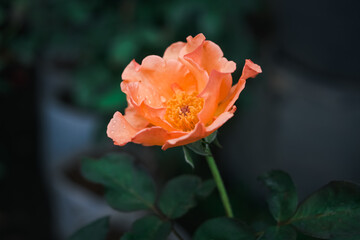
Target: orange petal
{"x":192,"y":44}
{"x":219,"y":121}
{"x":199,"y":132}
{"x":250,"y":70}
{"x":173,"y":51}
{"x":135,"y":118}
{"x":210,"y":94}
{"x":200,"y":75}
{"x":200,"y":55}
{"x":193,"y":136}
{"x":120,"y":130}
{"x":152,"y":80}
{"x":206,"y":54}
{"x":155,"y":116}
{"x":155,"y":136}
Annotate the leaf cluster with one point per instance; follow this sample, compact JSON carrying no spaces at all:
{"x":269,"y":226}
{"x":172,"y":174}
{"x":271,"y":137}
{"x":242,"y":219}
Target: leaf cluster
{"x":332,"y":212}
{"x":130,"y":188}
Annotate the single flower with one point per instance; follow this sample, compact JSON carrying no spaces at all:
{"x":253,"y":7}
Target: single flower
{"x":180,"y":98}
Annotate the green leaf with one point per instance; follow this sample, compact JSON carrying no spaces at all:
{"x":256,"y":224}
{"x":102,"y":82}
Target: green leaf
{"x":333,"y":212}
{"x":224,"y":229}
{"x":179,"y":195}
{"x":127,"y":188}
{"x":206,"y":188}
{"x":198,"y":147}
{"x":187,"y":157}
{"x":279,"y":233}
{"x":149,"y":228}
{"x":209,"y":139}
{"x":283,"y":197}
{"x":96,"y":230}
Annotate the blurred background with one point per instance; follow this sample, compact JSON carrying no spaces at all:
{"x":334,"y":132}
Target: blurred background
{"x":60,"y":69}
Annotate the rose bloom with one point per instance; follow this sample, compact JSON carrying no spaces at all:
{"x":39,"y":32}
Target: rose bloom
{"x":179,"y":98}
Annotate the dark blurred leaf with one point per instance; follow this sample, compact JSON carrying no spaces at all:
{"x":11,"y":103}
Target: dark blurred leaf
{"x":187,"y":157}
{"x":114,"y":99}
{"x":78,"y":11}
{"x":123,"y":50}
{"x":206,"y":188}
{"x":149,"y":228}
{"x":279,"y":233}
{"x":333,"y":212}
{"x":90,"y":82}
{"x":224,"y":229}
{"x":283,"y":197}
{"x":127,"y":188}
{"x":178,"y":196}
{"x":96,"y":230}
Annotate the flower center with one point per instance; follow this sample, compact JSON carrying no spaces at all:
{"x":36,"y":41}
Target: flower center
{"x":182,"y":110}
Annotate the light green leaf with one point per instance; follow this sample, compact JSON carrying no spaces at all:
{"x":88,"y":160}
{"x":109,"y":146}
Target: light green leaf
{"x":333,"y":212}
{"x":128,"y":188}
{"x":283,"y":197}
{"x":149,"y":228}
{"x":224,"y":229}
{"x":96,"y":230}
{"x":179,"y":195}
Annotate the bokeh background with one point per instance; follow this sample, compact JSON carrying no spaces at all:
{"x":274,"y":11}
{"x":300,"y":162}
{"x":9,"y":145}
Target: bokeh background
{"x":60,"y":69}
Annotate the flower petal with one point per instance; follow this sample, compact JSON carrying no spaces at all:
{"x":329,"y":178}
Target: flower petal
{"x":211,"y":94}
{"x":250,"y":70}
{"x":173,"y":51}
{"x":219,"y":121}
{"x":192,"y":44}
{"x":200,"y":55}
{"x":120,"y":130}
{"x":155,"y":136}
{"x":152,"y":80}
{"x":193,"y":136}
{"x":155,"y":116}
{"x":199,"y":132}
{"x":135,"y":118}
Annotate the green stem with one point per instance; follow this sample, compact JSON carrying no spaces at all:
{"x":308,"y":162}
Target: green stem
{"x":219,"y":183}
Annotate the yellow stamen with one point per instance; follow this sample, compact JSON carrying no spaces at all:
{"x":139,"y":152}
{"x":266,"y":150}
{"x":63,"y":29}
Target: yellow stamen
{"x":182,"y":110}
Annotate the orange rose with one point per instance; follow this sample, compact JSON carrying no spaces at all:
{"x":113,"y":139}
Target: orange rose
{"x":180,"y":98}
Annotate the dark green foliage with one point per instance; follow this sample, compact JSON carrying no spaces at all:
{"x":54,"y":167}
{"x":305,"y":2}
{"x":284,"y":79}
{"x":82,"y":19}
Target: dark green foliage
{"x":279,"y":233}
{"x":224,"y":229}
{"x":283,"y":197}
{"x":127,"y":188}
{"x":96,"y":230}
{"x":179,"y":195}
{"x":333,"y":212}
{"x":206,"y":188}
{"x":149,"y":228}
